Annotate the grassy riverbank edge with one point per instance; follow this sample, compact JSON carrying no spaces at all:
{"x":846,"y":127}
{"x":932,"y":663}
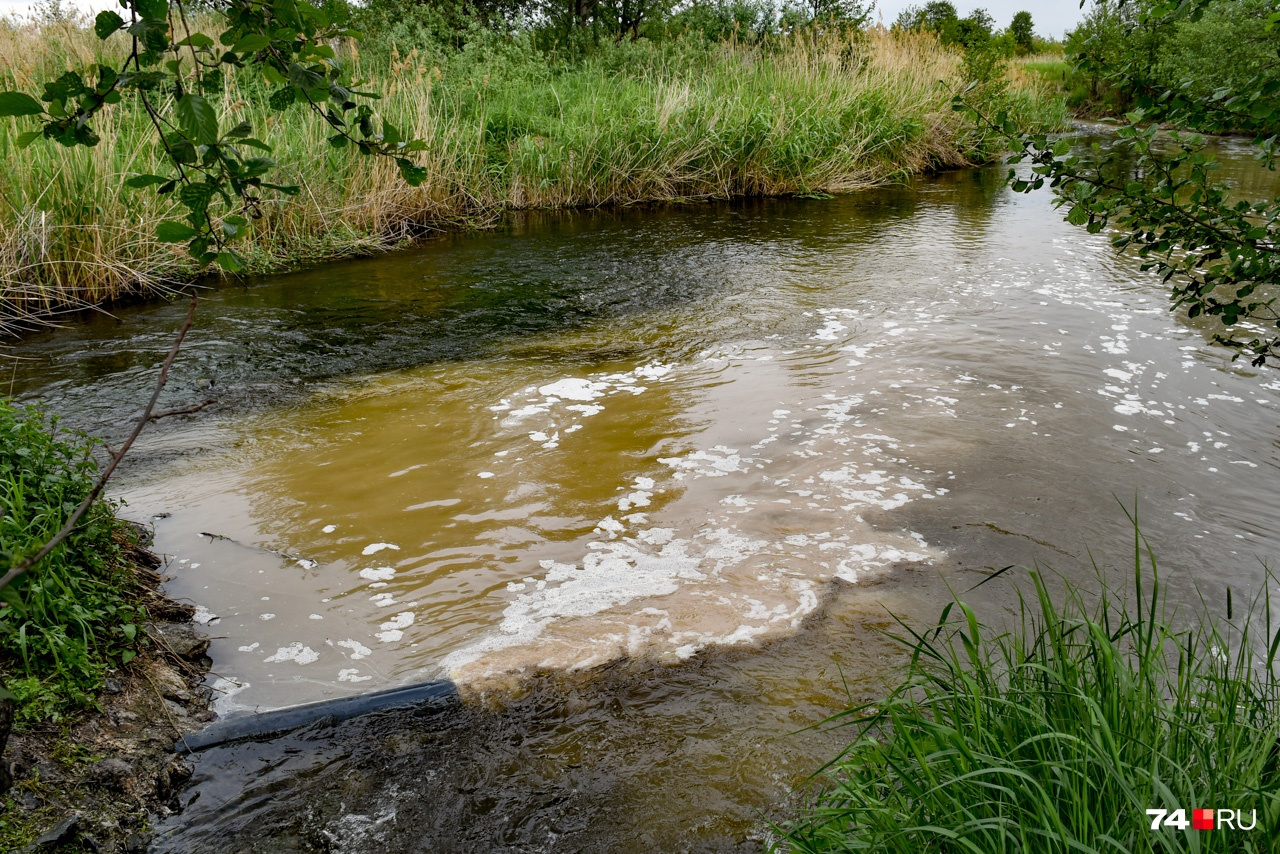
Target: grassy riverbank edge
{"x":97,"y":779}
{"x":101,"y":670}
{"x":508,"y":128}
{"x":1061,"y":733}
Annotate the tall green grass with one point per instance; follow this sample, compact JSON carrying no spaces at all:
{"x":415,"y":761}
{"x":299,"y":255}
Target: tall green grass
{"x":76,"y":612}
{"x":1057,"y":737}
{"x":508,"y":127}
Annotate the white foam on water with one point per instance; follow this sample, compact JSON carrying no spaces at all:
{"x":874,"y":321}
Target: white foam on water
{"x":357,"y":649}
{"x":393,"y":629}
{"x":716,"y":462}
{"x":351,"y":674}
{"x":574,"y":389}
{"x":295,"y":652}
{"x":204,"y":616}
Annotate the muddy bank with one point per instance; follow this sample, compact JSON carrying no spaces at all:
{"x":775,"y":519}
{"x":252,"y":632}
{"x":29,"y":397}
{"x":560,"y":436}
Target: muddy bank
{"x":99,"y":782}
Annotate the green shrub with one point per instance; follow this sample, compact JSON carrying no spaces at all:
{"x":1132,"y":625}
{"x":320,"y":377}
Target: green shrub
{"x":1222,"y":49}
{"x":1225,"y":48}
{"x":65,"y":621}
{"x":1059,"y":737}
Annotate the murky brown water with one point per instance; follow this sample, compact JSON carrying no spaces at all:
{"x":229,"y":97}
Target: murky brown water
{"x":647,"y":484}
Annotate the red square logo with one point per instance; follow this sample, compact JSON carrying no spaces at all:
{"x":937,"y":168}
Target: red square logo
{"x":1202,"y":819}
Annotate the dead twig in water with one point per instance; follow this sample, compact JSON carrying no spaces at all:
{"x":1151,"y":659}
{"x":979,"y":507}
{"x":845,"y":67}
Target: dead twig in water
{"x":188,"y":411}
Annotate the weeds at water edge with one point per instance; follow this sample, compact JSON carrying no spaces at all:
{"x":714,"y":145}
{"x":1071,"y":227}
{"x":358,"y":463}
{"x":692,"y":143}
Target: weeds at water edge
{"x":1061,"y":735}
{"x":78,"y":611}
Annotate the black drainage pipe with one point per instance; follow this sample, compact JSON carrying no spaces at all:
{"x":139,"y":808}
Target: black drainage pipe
{"x":247,"y":725}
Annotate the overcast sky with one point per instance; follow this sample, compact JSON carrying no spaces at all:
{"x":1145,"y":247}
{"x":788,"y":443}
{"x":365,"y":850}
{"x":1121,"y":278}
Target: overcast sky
{"x":1051,"y":17}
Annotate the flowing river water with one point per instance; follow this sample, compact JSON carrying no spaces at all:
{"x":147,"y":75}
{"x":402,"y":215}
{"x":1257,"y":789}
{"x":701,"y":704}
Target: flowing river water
{"x":650,"y":486}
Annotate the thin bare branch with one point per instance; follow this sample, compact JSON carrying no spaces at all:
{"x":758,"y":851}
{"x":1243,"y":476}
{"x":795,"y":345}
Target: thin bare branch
{"x":147,"y":417}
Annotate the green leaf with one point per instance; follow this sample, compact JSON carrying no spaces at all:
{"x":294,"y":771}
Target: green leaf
{"x":1078,"y":216}
{"x":144,"y":181}
{"x":107,"y":23}
{"x":84,"y":135}
{"x":130,"y":631}
{"x":19,"y":104}
{"x":230,"y":262}
{"x":304,"y":78}
{"x":287,"y":12}
{"x":170,"y":231}
{"x":27,"y":137}
{"x":154,"y":9}
{"x":183,"y":152}
{"x":1262,"y":108}
{"x":196,"y":40}
{"x":197,"y":119}
{"x":413,"y":175}
{"x":282,"y":97}
{"x":196,"y":197}
{"x":251,"y":43}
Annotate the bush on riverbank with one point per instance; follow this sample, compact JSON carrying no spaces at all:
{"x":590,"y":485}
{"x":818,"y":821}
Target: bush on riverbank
{"x":1220,"y":49}
{"x":76,"y":613}
{"x":508,"y":126}
{"x":1059,"y":736}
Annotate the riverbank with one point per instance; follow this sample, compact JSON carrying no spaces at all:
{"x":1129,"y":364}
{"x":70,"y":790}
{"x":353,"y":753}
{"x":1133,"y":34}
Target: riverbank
{"x":101,"y":671}
{"x":1080,"y":727}
{"x":97,"y":779}
{"x":507,"y":128}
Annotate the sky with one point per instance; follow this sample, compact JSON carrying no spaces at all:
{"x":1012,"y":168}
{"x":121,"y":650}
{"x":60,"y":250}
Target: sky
{"x":1052,"y":18}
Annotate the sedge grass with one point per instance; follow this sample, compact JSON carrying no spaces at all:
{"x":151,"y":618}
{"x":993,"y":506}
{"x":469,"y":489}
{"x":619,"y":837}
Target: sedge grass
{"x":507,"y":128}
{"x":1058,"y":737}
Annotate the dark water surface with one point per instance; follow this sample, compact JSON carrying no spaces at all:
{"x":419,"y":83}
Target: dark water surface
{"x":647,"y":484}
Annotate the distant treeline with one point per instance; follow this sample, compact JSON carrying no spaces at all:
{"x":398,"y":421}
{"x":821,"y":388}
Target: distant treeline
{"x":576,"y":24}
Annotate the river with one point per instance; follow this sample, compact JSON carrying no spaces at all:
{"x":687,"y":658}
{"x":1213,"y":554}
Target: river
{"x":651,"y":485}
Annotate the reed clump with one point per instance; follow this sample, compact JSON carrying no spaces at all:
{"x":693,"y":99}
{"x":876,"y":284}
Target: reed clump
{"x":508,"y":126}
{"x":1061,"y":735}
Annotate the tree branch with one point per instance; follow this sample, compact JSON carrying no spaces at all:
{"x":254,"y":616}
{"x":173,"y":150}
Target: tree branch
{"x":147,"y":417}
